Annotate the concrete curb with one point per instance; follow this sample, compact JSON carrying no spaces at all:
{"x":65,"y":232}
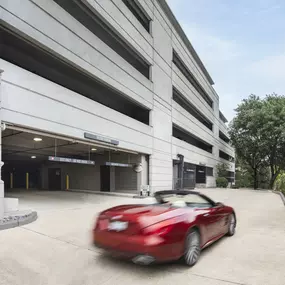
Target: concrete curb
{"x":16,"y":221}
{"x":281,"y":195}
{"x":141,"y":197}
{"x":128,"y":195}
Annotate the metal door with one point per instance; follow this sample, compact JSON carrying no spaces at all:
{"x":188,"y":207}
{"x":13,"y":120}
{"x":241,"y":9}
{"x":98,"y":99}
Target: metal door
{"x":54,"y":178}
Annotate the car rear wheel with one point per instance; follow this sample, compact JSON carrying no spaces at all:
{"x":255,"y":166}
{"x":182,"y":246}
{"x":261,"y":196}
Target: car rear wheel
{"x":192,"y":248}
{"x":232,"y":225}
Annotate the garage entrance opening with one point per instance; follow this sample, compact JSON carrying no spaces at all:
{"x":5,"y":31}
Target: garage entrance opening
{"x":43,"y":162}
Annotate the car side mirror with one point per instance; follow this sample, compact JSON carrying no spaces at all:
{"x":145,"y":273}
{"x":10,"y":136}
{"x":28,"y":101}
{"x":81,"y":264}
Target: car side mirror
{"x":219,"y":204}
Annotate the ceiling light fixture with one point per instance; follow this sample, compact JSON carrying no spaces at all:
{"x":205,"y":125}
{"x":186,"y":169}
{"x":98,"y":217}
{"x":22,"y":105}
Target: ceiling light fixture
{"x":93,"y":149}
{"x":33,"y":157}
{"x":38,"y":139}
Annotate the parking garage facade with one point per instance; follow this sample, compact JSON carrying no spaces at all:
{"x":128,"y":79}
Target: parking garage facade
{"x":105,"y":96}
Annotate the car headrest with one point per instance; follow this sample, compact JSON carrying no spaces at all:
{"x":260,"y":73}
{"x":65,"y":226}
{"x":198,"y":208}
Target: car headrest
{"x":179,"y":204}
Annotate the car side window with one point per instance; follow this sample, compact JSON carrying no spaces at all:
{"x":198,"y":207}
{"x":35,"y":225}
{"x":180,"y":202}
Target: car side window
{"x":196,"y":201}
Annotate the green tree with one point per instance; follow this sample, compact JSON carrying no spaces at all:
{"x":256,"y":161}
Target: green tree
{"x":280,"y":183}
{"x":246,"y":136}
{"x":244,"y":174}
{"x":258,"y":135}
{"x":273,"y":133}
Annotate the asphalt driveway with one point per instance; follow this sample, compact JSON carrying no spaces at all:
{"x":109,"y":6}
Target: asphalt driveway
{"x":56,"y":248}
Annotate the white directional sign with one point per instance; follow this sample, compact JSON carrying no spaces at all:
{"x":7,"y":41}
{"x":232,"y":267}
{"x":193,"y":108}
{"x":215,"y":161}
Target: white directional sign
{"x":70,"y":160}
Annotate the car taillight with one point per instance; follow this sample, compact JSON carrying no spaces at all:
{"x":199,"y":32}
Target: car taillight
{"x":159,"y":229}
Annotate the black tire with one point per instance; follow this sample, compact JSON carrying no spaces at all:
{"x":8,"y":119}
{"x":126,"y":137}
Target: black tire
{"x":232,"y":225}
{"x":192,"y":248}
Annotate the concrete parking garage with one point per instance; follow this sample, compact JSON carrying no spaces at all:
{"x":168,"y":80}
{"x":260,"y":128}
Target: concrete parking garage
{"x":56,"y":248}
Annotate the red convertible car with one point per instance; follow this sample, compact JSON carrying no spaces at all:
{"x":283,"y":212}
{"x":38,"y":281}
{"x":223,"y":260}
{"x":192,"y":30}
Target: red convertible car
{"x":179,"y":225}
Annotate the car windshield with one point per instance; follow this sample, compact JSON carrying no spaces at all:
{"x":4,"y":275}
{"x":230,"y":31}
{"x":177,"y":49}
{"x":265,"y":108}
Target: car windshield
{"x":189,"y":200}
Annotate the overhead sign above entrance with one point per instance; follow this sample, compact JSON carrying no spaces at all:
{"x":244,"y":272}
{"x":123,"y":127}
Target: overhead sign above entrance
{"x":100,"y":139}
{"x":70,"y":160}
{"x":118,"y":164}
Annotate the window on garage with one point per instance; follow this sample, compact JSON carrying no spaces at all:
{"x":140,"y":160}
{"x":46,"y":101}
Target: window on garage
{"x":32,"y":57}
{"x":94,"y":22}
{"x":226,"y":156}
{"x":209,"y":171}
{"x":190,"y":138}
{"x":190,"y":108}
{"x":191,"y":78}
{"x":139,"y":13}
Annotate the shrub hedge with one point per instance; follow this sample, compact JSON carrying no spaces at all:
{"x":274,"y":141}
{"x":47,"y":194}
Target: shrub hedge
{"x":222,"y":182}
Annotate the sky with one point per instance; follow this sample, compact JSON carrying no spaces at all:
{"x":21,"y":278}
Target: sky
{"x":241,"y":43}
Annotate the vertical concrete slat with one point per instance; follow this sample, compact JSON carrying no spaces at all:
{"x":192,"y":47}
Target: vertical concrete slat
{"x":27,"y":180}
{"x":1,"y":162}
{"x":112,"y":179}
{"x":11,"y":181}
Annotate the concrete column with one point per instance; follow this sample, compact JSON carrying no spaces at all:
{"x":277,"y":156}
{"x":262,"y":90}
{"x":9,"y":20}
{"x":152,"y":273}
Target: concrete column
{"x":145,"y":171}
{"x":1,"y":163}
{"x":142,"y":176}
{"x":6,"y":204}
{"x":139,"y":182}
{"x":112,"y":179}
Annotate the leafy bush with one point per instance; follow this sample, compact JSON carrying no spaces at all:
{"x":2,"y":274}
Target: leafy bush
{"x":222,"y":182}
{"x":280,"y":183}
{"x":222,"y":170}
{"x":244,"y":177}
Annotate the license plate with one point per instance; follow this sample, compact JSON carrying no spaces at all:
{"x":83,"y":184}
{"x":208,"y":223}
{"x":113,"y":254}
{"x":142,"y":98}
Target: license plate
{"x":117,"y":226}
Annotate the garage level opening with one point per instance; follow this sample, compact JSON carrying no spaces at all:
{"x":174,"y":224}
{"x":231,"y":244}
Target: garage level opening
{"x":26,"y":54}
{"x":43,"y":162}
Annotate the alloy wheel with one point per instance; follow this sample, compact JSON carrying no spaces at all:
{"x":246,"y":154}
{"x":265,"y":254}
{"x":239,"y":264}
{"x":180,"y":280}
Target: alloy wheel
{"x":193,"y":249}
{"x":232,"y":225}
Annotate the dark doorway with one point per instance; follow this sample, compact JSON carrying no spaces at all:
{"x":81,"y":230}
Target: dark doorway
{"x":54,"y":179}
{"x":184,"y":174}
{"x":189,"y":179}
{"x":105,"y":178}
{"x":19,"y":176}
{"x":200,"y":174}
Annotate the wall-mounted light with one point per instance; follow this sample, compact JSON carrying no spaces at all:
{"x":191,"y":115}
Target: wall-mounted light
{"x":33,"y":157}
{"x":38,"y":139}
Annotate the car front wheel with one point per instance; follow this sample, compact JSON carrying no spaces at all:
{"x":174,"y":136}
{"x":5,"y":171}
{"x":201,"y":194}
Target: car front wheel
{"x":192,"y":248}
{"x":232,"y":225}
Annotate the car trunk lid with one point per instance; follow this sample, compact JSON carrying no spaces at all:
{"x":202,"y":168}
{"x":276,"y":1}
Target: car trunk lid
{"x":130,"y":219}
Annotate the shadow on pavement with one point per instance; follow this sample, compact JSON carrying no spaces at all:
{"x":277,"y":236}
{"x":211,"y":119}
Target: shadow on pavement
{"x":106,"y":259}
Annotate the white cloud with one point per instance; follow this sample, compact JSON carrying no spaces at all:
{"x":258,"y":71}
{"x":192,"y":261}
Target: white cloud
{"x":270,"y":68}
{"x":268,"y":9}
{"x":268,"y":75}
{"x":211,"y":48}
{"x":264,"y":8}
